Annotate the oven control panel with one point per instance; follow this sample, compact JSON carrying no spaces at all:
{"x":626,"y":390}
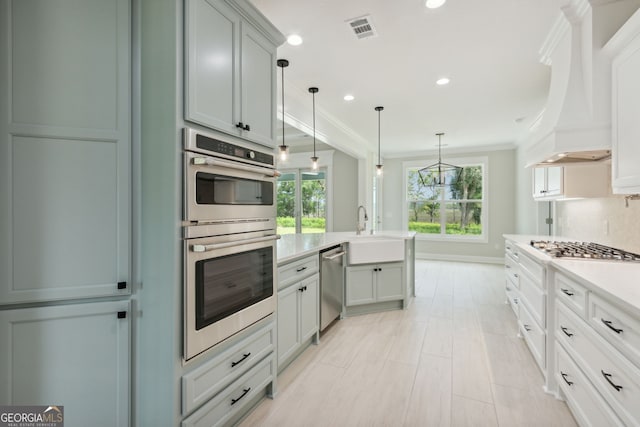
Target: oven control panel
{"x":204,"y":142}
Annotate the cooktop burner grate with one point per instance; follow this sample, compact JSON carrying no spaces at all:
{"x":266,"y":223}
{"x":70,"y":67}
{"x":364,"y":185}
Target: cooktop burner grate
{"x":583,"y":250}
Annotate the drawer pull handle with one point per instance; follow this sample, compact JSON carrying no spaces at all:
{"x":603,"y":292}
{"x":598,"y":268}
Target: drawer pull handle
{"x":564,"y":377}
{"x":567,"y":292}
{"x":515,"y":275}
{"x":508,"y":288}
{"x":301,"y":269}
{"x":527,"y":328}
{"x":608,"y":325}
{"x":508,"y":266}
{"x":608,"y":378}
{"x":565,"y":331}
{"x":244,"y":356}
{"x":244,"y":393}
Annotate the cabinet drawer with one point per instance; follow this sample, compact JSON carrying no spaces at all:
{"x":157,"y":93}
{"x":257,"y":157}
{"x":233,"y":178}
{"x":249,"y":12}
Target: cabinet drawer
{"x":573,"y":294}
{"x":585,"y":402}
{"x":297,"y":270}
{"x":511,"y":249}
{"x":511,"y":270}
{"x":232,"y":400}
{"x":534,"y":336}
{"x":203,"y":383}
{"x":611,"y":373}
{"x":607,"y":319}
{"x":536,"y":270}
{"x":533,"y":296}
{"x":512,"y":298}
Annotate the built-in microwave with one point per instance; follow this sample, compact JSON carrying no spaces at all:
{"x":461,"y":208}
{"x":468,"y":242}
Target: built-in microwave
{"x":229,"y":285}
{"x":225,"y":181}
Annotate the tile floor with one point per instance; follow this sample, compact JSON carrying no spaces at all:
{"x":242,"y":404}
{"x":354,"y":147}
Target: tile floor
{"x":451,"y":359}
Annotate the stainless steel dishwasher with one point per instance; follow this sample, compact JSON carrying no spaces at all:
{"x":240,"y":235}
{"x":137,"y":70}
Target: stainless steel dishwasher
{"x":331,"y":284}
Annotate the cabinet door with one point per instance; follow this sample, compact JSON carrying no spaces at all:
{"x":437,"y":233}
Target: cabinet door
{"x":360,"y":285}
{"x":626,"y":126}
{"x":539,"y":184}
{"x":73,"y":355}
{"x":309,"y":308}
{"x":554,"y":180}
{"x":65,"y":149}
{"x":389,"y":282}
{"x":212,"y":66}
{"x":288,"y":324}
{"x":258,"y":86}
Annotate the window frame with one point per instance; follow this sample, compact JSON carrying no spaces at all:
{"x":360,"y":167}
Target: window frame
{"x":482,"y":161}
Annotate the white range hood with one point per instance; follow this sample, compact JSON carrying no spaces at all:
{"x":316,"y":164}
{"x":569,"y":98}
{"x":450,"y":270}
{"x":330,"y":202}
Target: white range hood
{"x":576,"y":122}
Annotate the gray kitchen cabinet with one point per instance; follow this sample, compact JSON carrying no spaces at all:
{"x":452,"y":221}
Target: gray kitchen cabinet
{"x":73,"y":355}
{"x":298,"y":317}
{"x":65,"y":150}
{"x":229,"y":72}
{"x":374,"y":283}
{"x":625,"y":150}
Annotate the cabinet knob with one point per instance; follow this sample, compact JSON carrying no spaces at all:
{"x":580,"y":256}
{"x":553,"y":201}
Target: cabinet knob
{"x":122,"y":315}
{"x":122,"y":285}
{"x":243,"y":126}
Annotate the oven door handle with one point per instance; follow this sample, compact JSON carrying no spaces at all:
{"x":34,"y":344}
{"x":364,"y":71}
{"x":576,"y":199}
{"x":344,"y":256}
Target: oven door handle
{"x":213,"y":247}
{"x":210,"y":161}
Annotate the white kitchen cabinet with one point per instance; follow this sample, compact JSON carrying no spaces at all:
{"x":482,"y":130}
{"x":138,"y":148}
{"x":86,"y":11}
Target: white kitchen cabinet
{"x":230,"y":72}
{"x":512,"y":274}
{"x":72,"y":355}
{"x":298,"y":307}
{"x":575,"y":180}
{"x":374,"y":283}
{"x":65,"y":150}
{"x":625,"y":149}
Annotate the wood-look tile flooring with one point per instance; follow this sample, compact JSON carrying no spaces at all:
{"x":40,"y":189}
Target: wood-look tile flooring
{"x":451,"y":359}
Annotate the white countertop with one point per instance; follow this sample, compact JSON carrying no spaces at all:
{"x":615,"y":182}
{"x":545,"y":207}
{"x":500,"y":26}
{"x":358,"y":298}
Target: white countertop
{"x":292,"y":246}
{"x":618,"y":280}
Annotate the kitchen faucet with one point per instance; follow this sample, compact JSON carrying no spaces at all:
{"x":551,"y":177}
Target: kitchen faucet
{"x":361,"y":228}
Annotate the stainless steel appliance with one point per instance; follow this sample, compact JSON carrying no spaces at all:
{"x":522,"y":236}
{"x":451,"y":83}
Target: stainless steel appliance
{"x":583,"y":250}
{"x":225,"y":181}
{"x":331,"y":284}
{"x":229,"y":239}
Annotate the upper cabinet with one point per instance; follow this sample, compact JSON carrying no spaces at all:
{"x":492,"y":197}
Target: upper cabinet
{"x":571,"y":181}
{"x":230,"y":69}
{"x":625,"y":148}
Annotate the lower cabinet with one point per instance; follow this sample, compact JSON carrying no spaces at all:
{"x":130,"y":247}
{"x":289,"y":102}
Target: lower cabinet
{"x":75,"y":355}
{"x":298,"y":316}
{"x":374,"y":283}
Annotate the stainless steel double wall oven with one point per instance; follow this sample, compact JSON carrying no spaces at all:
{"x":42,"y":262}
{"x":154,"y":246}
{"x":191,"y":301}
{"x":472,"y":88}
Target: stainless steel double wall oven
{"x":229,"y":238}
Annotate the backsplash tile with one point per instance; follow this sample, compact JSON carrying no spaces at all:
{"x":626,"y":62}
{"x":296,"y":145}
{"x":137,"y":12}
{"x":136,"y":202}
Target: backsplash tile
{"x":606,"y":221}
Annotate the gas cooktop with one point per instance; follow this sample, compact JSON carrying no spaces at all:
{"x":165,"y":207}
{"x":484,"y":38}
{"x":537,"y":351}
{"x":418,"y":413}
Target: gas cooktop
{"x":583,"y":250}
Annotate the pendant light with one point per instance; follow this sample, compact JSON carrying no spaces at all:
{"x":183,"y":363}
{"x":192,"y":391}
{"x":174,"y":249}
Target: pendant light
{"x":314,"y":159}
{"x":436,"y":174}
{"x":379,"y":165}
{"x":284,"y":149}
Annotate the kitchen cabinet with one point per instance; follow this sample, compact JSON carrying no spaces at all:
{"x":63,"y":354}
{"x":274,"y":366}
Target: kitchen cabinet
{"x":374,"y":283}
{"x":512,"y":274}
{"x":625,"y":150}
{"x":65,"y":150}
{"x":298,"y":308}
{"x":230,"y":72}
{"x":575,"y":180}
{"x":74,"y":355}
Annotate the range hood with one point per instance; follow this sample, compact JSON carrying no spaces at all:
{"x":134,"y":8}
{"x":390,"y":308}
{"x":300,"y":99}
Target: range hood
{"x":575,"y":124}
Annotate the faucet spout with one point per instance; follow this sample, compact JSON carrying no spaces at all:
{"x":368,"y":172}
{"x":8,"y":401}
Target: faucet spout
{"x":361,"y":228}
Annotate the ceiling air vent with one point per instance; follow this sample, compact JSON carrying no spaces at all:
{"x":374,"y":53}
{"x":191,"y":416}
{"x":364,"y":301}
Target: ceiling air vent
{"x":362,"y":27}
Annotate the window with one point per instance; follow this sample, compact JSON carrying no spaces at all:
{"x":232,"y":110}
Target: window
{"x":455,"y":211}
{"x":302,"y":191}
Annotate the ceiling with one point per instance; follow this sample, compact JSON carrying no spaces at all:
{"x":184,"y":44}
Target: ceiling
{"x":488,"y":49}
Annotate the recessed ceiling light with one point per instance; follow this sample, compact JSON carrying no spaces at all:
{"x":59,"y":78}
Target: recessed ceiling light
{"x":349,"y":98}
{"x":443,"y":81}
{"x":434,"y":4}
{"x":294,"y":40}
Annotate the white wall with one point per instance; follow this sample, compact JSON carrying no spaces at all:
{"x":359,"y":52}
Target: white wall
{"x":501,"y":205}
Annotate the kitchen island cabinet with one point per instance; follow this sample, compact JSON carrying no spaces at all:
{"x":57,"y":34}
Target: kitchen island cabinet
{"x":236,"y":95}
{"x":369,"y":284}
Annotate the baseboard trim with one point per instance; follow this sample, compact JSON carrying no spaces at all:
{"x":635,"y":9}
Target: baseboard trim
{"x":460,"y":258}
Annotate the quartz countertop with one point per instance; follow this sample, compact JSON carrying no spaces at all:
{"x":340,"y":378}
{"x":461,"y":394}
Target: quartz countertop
{"x":293,"y":246}
{"x":619,"y":280}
